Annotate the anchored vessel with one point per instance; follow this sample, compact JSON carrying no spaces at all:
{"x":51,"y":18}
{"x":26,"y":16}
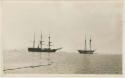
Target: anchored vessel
{"x":85,"y":50}
{"x":41,"y":49}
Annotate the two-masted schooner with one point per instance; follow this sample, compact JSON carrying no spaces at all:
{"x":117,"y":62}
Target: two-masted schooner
{"x":41,"y":49}
{"x":85,"y":50}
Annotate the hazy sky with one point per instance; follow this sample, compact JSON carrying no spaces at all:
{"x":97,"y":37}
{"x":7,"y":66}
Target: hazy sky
{"x":66,"y":21}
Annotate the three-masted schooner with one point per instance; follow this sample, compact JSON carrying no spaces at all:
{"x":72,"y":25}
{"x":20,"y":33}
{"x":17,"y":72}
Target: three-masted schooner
{"x":41,"y":49}
{"x":85,"y":50}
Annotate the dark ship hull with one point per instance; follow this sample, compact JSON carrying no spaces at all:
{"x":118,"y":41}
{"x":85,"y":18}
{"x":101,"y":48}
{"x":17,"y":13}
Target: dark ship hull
{"x":86,"y":51}
{"x":42,"y":50}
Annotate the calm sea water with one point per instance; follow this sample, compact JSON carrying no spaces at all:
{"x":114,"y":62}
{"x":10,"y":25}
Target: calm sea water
{"x":21,"y":62}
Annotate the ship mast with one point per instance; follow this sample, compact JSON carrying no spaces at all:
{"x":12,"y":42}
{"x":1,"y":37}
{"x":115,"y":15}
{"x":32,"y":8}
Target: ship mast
{"x":90,"y":43}
{"x":34,"y":41}
{"x":85,"y":43}
{"x":41,"y":42}
{"x":49,"y":43}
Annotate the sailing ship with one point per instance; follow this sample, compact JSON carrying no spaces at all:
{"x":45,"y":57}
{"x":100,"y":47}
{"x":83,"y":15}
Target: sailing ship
{"x":85,"y":50}
{"x":41,"y":49}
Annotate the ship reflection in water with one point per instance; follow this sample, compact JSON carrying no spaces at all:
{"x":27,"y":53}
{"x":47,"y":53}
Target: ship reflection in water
{"x":63,"y":63}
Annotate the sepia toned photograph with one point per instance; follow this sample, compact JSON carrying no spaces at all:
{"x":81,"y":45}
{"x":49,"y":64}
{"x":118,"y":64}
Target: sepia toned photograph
{"x":62,"y":37}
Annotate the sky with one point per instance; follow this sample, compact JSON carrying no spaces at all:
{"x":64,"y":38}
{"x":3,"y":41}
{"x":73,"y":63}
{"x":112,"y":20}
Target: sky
{"x":66,"y":21}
